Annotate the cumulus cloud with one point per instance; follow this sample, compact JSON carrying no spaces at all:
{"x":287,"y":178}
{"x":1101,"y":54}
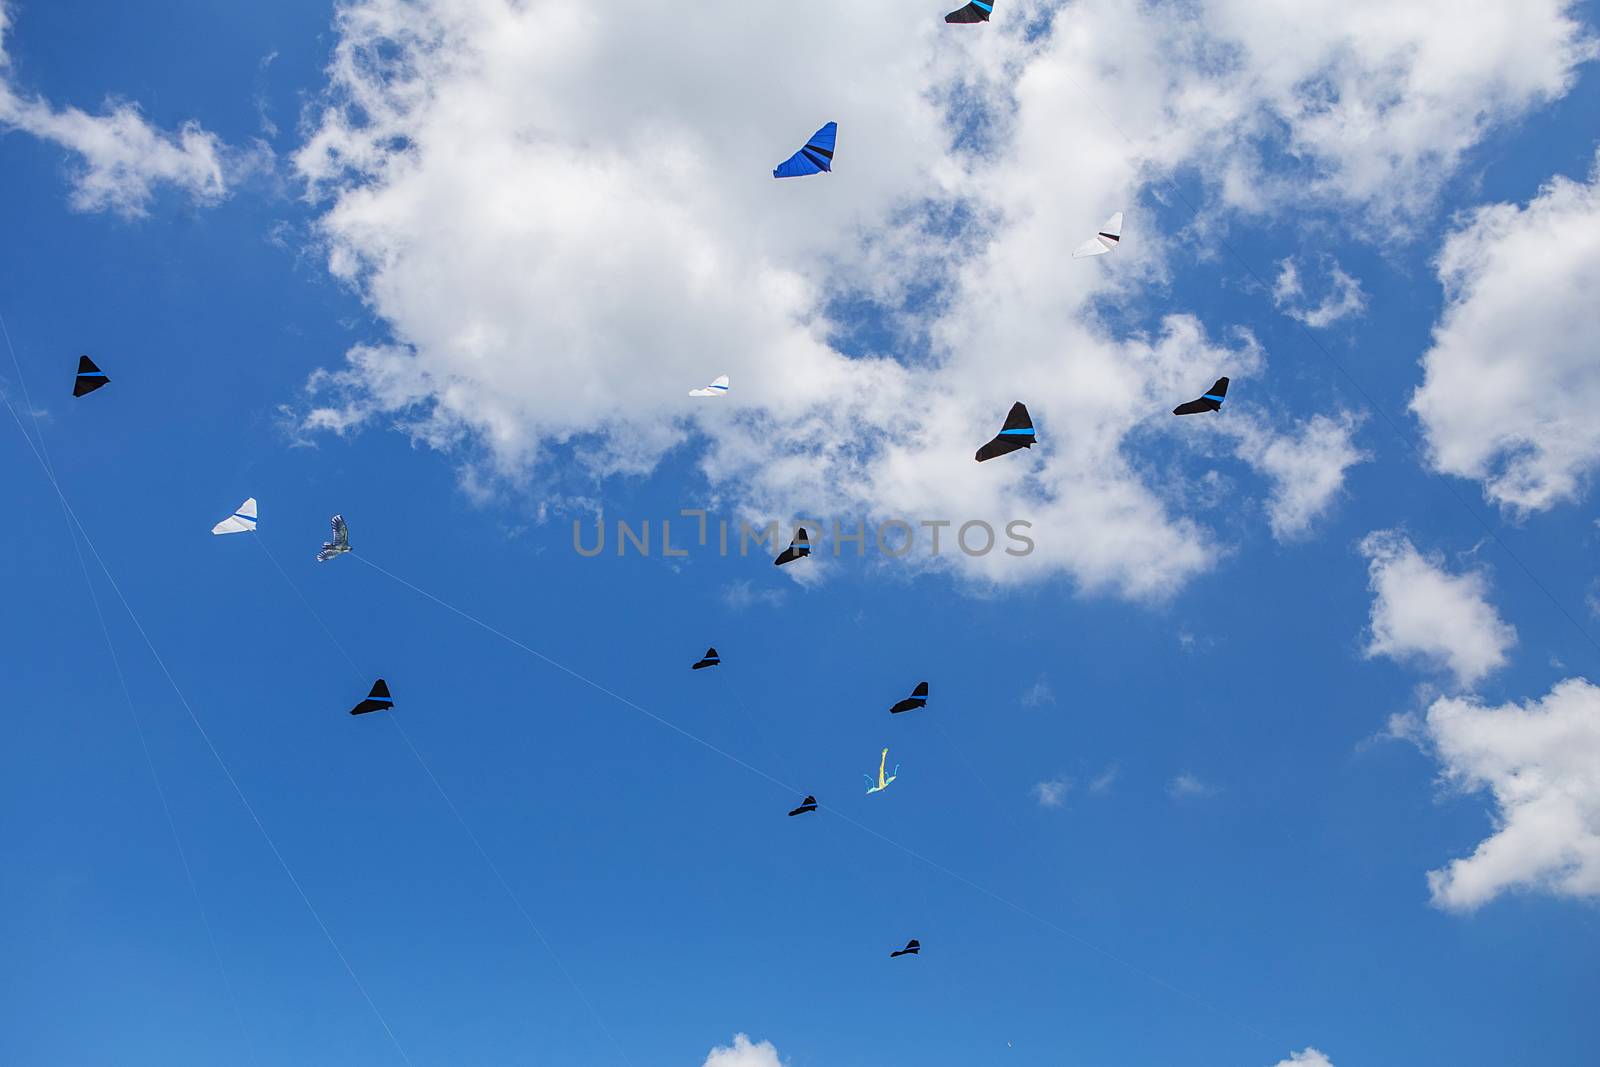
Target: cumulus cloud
{"x":120,"y":157}
{"x":1306,"y":467}
{"x":1051,"y":793}
{"x":1420,"y":611}
{"x":1344,"y":296}
{"x":1306,"y":1057}
{"x":565,"y":226}
{"x":1540,"y":762}
{"x":1511,"y":384}
{"x":743,"y":1053}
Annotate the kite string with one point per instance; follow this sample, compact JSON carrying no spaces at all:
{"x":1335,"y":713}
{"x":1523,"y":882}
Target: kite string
{"x":1414,"y":451}
{"x":206,"y":737}
{"x":456,"y":812}
{"x":127,"y":697}
{"x":755,"y":724}
{"x":908,"y":851}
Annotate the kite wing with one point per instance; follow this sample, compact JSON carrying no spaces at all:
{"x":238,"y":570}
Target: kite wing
{"x":719,"y":387}
{"x":1104,"y":241}
{"x":377,"y":700}
{"x":1212,"y":401}
{"x":799,"y":548}
{"x":710,"y":659}
{"x":815,"y":158}
{"x":243,"y":520}
{"x":340,"y":542}
{"x":913,"y":947}
{"x":89,"y":377}
{"x":808,"y":804}
{"x":1017,"y":433}
{"x":977,"y":11}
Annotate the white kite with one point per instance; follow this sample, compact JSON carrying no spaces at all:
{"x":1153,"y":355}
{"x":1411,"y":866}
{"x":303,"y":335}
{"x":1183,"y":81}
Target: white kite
{"x":716,"y":388}
{"x":243,"y":520}
{"x":1104,"y":241}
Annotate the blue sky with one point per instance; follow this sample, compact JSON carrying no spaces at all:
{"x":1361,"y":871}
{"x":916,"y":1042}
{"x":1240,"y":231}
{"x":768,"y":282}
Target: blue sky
{"x":1254,"y":762}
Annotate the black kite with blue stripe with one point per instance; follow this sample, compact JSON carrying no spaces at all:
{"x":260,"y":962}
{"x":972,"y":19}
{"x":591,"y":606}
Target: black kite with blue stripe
{"x":1212,"y":401}
{"x":89,"y":377}
{"x":1016,"y":433}
{"x":917,"y":699}
{"x":977,"y":11}
{"x":799,"y":548}
{"x":808,"y":804}
{"x":710,"y":659}
{"x":377,"y":700}
{"x":815,"y":158}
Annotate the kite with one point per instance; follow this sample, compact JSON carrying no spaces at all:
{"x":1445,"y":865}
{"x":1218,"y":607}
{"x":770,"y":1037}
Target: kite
{"x":815,"y":158}
{"x":377,"y":700}
{"x":340,"y":543}
{"x":89,"y":377}
{"x":808,"y":804}
{"x":243,"y":519}
{"x":883,"y":783}
{"x":711,"y":660}
{"x":1017,"y":433}
{"x":1104,"y":241}
{"x":1212,"y":401}
{"x":799,"y":548}
{"x":912,"y":948}
{"x":977,"y":11}
{"x":719,"y":387}
{"x":917,"y":699}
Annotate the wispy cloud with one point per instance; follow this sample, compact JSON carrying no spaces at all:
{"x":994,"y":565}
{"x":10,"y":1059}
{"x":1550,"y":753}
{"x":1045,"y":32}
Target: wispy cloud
{"x":1052,"y":793}
{"x":121,"y":158}
{"x":1344,"y":296}
{"x":1103,"y":781}
{"x":1188,"y":787}
{"x":743,"y":594}
{"x":1038,"y":694}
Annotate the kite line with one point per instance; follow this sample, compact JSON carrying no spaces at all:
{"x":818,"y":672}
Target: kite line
{"x":204,"y":735}
{"x":978,"y":887}
{"x":494,"y":868}
{"x":127,"y":697}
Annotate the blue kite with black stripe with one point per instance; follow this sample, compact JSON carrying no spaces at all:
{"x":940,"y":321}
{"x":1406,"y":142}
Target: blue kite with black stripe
{"x":815,"y":158}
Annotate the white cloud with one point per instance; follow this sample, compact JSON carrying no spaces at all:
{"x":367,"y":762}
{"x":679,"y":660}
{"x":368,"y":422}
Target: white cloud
{"x":1051,"y":793}
{"x":1344,"y":297}
{"x":1511,"y":383}
{"x":1421,"y":611}
{"x":1540,"y":760}
{"x":1104,"y":780}
{"x":1306,"y":1057}
{"x":743,"y":594}
{"x":565,"y":226}
{"x":743,"y":1053}
{"x":121,"y":158}
{"x":1306,"y":468}
{"x":1188,"y":787}
{"x":1038,"y":694}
